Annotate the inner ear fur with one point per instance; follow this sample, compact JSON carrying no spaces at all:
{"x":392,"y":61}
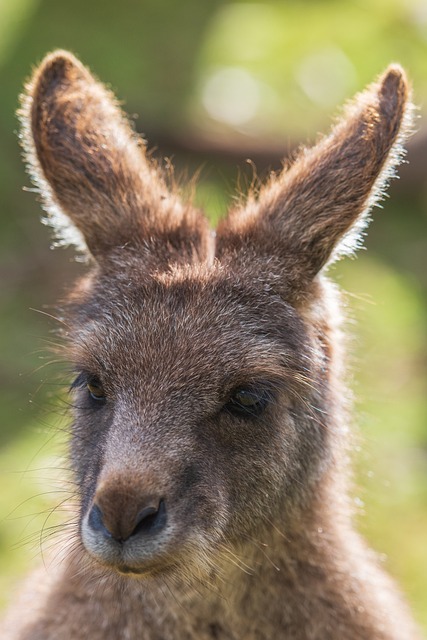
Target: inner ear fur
{"x":91,"y":168}
{"x":315,"y":210}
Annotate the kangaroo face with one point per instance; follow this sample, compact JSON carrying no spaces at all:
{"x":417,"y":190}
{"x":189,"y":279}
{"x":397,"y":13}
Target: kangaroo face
{"x":191,"y":420}
{"x":203,"y":365}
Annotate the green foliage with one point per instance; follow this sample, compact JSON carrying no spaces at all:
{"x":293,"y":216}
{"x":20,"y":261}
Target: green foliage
{"x":389,"y":350}
{"x":32,"y":506}
{"x":304,"y":58}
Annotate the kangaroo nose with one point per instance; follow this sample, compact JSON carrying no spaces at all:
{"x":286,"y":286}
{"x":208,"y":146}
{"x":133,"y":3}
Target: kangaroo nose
{"x":121,"y":516}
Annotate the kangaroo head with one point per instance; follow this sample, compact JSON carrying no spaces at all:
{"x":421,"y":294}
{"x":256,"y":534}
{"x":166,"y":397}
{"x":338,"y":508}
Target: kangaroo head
{"x":205,"y":397}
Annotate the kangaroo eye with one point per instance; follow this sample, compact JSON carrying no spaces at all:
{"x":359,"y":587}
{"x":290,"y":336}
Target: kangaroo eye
{"x":96,"y":390}
{"x":248,"y":402}
{"x":93,"y":385}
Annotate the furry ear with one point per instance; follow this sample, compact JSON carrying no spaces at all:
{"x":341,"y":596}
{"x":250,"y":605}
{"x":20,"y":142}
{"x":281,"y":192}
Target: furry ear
{"x":89,"y":165}
{"x":315,"y":210}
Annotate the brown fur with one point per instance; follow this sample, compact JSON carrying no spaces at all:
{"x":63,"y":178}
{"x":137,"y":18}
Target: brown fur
{"x":252,"y":534}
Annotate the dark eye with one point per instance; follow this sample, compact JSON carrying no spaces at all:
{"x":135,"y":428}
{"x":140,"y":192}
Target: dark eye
{"x":248,"y":402}
{"x":92,"y":384}
{"x":95,"y":388}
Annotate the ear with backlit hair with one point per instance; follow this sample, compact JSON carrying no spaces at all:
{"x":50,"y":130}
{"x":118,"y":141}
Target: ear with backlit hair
{"x":315,"y":211}
{"x":98,"y":187}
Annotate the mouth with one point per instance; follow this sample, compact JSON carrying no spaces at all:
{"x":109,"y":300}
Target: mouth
{"x":125,"y":570}
{"x":148,"y":571}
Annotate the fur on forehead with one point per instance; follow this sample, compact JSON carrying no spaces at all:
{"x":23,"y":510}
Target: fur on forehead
{"x":199,"y":305}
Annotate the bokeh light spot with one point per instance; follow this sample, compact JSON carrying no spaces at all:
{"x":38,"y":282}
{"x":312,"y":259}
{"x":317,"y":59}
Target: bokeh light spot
{"x":231,"y":95}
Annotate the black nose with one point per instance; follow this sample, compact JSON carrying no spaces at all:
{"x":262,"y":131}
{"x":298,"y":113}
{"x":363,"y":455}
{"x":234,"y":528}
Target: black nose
{"x":122,"y":522}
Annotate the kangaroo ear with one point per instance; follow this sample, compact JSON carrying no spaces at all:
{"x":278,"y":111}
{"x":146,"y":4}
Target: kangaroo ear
{"x":315,"y":211}
{"x":89,"y":165}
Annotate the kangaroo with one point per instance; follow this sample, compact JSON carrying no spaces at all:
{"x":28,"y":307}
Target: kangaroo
{"x":210,"y":438}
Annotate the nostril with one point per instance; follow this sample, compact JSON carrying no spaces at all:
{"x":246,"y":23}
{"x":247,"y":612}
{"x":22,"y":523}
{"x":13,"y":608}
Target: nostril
{"x":122,"y":523}
{"x":96,"y":522}
{"x":150,"y":519}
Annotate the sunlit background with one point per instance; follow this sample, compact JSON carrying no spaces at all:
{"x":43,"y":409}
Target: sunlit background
{"x":213,"y":84}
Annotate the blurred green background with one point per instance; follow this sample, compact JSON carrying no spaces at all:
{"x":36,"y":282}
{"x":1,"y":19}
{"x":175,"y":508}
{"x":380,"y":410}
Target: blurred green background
{"x":212,"y":84}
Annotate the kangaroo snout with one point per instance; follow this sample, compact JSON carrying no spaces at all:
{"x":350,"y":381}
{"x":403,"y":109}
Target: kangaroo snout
{"x":120,"y":516}
{"x":125,"y":517}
